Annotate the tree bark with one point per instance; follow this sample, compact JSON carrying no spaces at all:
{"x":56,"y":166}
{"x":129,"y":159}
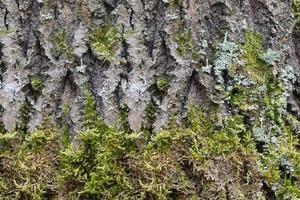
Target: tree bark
{"x":47,"y":59}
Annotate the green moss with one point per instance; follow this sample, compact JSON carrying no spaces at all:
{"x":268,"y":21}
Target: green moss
{"x":162,"y":84}
{"x":103,"y":41}
{"x":124,"y":110}
{"x":256,"y":69}
{"x":296,"y":12}
{"x":255,"y":93}
{"x":241,"y":97}
{"x":150,"y":114}
{"x":176,"y":3}
{"x":37,"y":84}
{"x":216,"y":142}
{"x":185,"y":45}
{"x":92,"y":169}
{"x":49,"y":4}
{"x":2,"y":127}
{"x":7,"y":142}
{"x":282,"y":160}
{"x":90,"y":116}
{"x":37,"y":139}
{"x":24,"y":117}
{"x":60,"y":44}
{"x":66,"y":140}
{"x":211,"y":157}
{"x":30,"y":166}
{"x":288,"y":190}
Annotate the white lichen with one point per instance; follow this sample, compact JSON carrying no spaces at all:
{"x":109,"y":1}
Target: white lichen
{"x":270,"y":57}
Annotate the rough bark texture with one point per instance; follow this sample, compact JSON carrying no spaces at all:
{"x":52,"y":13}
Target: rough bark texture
{"x":149,"y":78}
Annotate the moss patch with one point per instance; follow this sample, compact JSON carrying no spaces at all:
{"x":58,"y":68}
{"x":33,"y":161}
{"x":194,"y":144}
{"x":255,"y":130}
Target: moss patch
{"x":210,"y":158}
{"x":248,"y":152}
{"x":37,"y":84}
{"x":256,"y":69}
{"x":296,"y":11}
{"x":162,"y":84}
{"x":60,"y":44}
{"x":103,"y":41}
{"x":186,"y":46}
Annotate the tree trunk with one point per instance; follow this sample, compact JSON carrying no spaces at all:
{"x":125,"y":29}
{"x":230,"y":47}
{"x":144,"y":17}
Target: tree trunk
{"x":141,"y":59}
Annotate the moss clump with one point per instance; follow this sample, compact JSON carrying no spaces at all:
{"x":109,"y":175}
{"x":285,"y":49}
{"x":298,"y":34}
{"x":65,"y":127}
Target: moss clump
{"x":24,"y":117}
{"x":2,"y":128}
{"x":256,"y":94}
{"x":185,"y":45}
{"x":94,"y":170}
{"x":30,"y":165}
{"x":209,"y":158}
{"x":162,"y":84}
{"x":103,"y":41}
{"x":65,"y":124}
{"x":37,"y":84}
{"x":60,"y":44}
{"x":256,"y":69}
{"x":280,"y":165}
{"x":176,"y":3}
{"x":296,"y":11}
{"x":124,"y":110}
{"x":90,"y":115}
{"x":49,"y":4}
{"x":150,"y":115}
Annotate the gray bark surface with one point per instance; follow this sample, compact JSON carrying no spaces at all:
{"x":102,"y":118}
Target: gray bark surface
{"x":147,"y":53}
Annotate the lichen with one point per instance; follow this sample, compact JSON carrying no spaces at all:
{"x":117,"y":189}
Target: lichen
{"x":226,"y":54}
{"x":270,"y":57}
